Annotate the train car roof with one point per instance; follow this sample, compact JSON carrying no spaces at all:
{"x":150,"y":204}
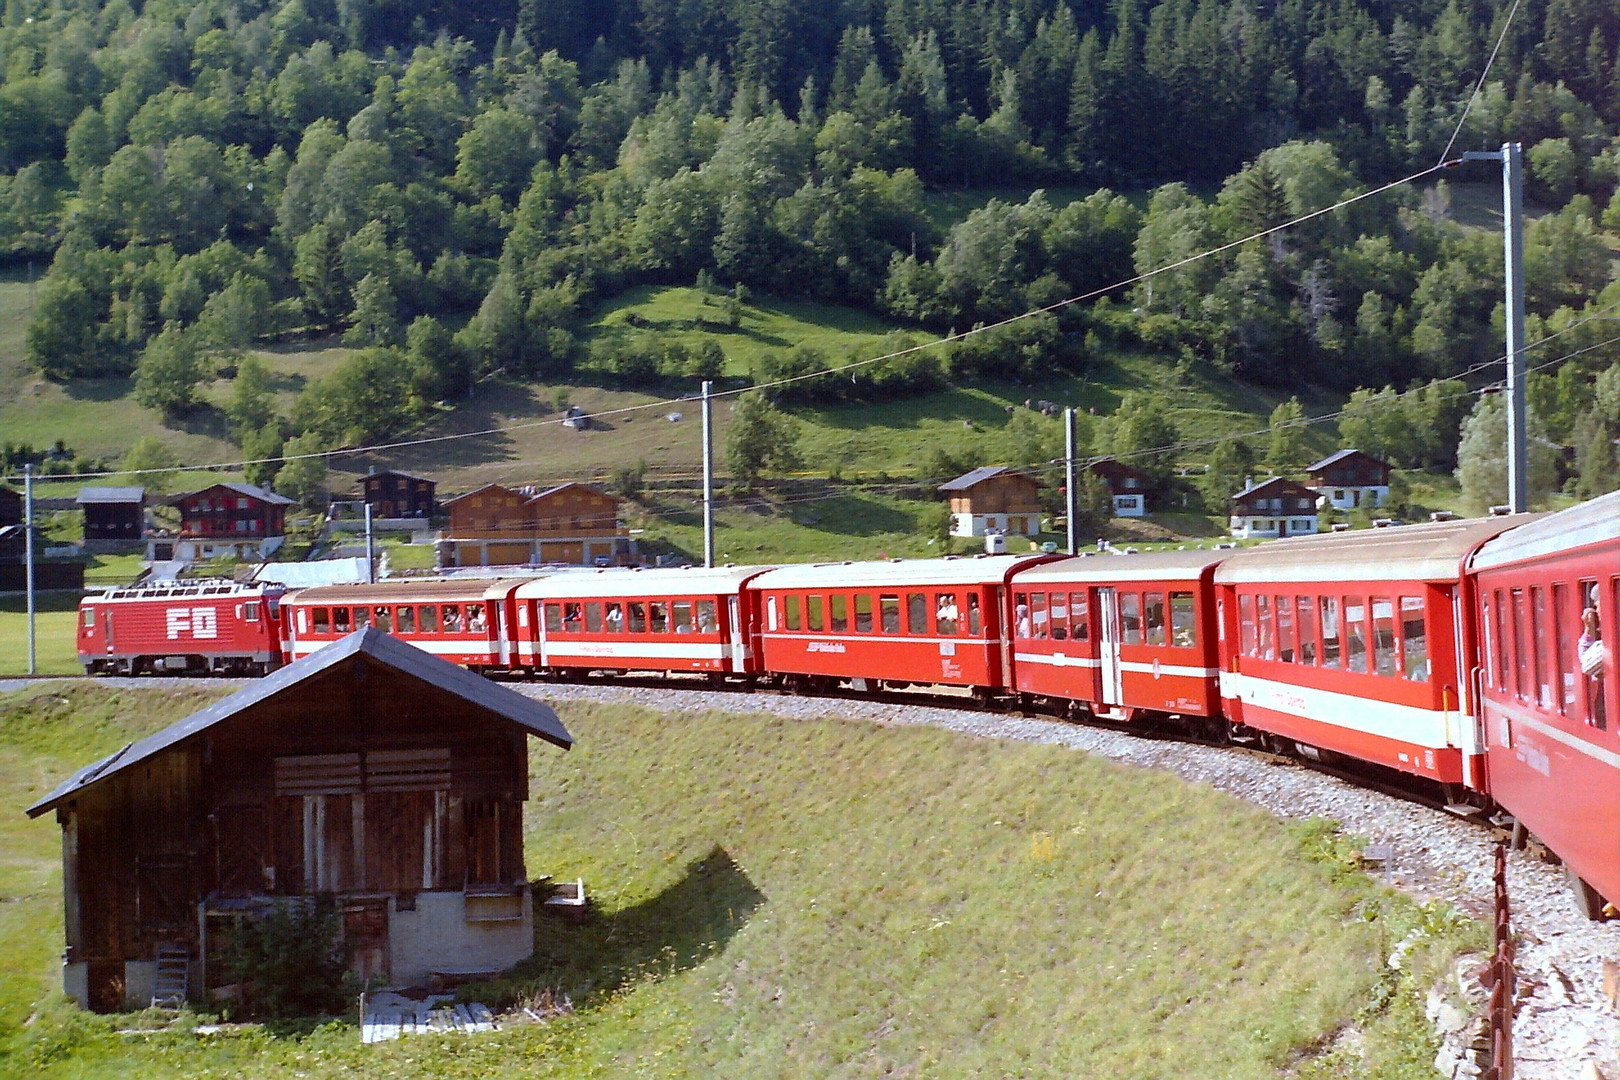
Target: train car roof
{"x":977,"y":570}
{"x":425,"y":590}
{"x":187,"y":589}
{"x":1591,"y":522}
{"x":1138,"y":566}
{"x":1432,"y":551}
{"x":627,"y":581}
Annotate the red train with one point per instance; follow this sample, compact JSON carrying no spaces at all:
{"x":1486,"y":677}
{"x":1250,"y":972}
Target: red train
{"x":1478,"y":655}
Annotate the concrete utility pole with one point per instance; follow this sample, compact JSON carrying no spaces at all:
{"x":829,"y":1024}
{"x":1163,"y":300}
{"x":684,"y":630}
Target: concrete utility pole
{"x":1511,"y":157}
{"x":708,"y":474}
{"x":28,"y":557}
{"x":1071,"y":472}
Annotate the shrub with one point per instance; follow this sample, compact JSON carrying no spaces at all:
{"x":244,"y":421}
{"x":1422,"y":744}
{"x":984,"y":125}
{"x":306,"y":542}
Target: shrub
{"x":291,"y":961}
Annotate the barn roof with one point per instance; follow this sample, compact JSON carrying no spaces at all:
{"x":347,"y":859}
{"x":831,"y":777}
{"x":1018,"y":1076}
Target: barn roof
{"x":89,"y":495}
{"x":1342,"y":455}
{"x":533,"y":717}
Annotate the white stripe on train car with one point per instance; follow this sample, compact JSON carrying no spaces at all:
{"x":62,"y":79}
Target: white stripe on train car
{"x":877,"y":639}
{"x":1429,"y":728}
{"x":659,"y":650}
{"x":1057,"y":660}
{"x":1169,"y":669}
{"x":1530,"y":720}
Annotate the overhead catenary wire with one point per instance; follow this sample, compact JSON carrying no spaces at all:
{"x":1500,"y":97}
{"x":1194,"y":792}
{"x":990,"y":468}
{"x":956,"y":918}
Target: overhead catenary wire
{"x":1480,"y":85}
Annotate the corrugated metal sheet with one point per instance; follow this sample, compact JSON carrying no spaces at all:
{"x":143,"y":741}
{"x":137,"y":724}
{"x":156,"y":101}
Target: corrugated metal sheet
{"x":1143,"y":566}
{"x":1429,"y":552}
{"x":533,"y":717}
{"x":1589,"y":523}
{"x":979,"y":570}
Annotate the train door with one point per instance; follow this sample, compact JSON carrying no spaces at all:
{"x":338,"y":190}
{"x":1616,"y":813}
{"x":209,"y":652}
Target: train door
{"x":107,"y":630}
{"x":503,"y":639}
{"x":739,"y":643}
{"x":1113,"y":691}
{"x":537,"y":616}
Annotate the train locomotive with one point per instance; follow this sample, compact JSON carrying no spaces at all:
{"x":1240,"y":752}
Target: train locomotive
{"x":1477,"y":655}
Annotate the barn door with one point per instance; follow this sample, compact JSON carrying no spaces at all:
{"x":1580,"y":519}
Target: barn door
{"x":1108,"y":646}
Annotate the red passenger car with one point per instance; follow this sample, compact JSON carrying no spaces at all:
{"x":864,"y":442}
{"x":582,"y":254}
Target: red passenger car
{"x":641,"y":620}
{"x":1122,"y":635}
{"x":1547,"y":596}
{"x":917,"y":621}
{"x":1350,"y":642}
{"x":468,"y":621}
{"x":212,"y":625}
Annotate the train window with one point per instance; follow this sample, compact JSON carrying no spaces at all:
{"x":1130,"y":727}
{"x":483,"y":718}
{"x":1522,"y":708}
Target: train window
{"x":613,"y":620}
{"x":1059,"y":611}
{"x":813,"y":606}
{"x":791,"y":604}
{"x":1521,"y":655}
{"x":475,"y":618}
{"x":974,"y":626}
{"x":1355,"y":634}
{"x":452,"y":618}
{"x":553,"y":618}
{"x":1268,"y":628}
{"x":362,"y":618}
{"x":1154,"y":610}
{"x":1285,"y":628}
{"x":1331,"y":643}
{"x":302,"y":626}
{"x":383,"y":619}
{"x":250,"y":611}
{"x":340,"y":620}
{"x":1539,"y":662}
{"x":1246,"y":624}
{"x":863,"y":613}
{"x":1183,"y":624}
{"x":680,"y":613}
{"x":1038,"y":625}
{"x":707,"y":623}
{"x":637,"y":612}
{"x":427,"y":619}
{"x":273,"y":605}
{"x":89,"y":618}
{"x":1080,"y":616}
{"x":838,"y":613}
{"x":916,"y":613}
{"x":323,"y":622}
{"x":1414,"y":640}
{"x":889,"y":614}
{"x":1130,"y":618}
{"x":407,"y":619}
{"x":1590,"y":648}
{"x":1305,"y":606}
{"x":1383,"y":615}
{"x":658,"y":617}
{"x":1500,"y":622}
{"x":573,"y":618}
{"x":946,"y":615}
{"x":1566,"y":664}
{"x":1021,"y":627}
{"x":593,"y":617}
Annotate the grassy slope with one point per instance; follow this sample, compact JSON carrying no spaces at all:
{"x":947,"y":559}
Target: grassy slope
{"x":1003,"y":909}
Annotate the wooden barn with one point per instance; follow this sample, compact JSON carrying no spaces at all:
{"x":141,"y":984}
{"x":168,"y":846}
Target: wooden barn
{"x":994,"y":499}
{"x":369,"y":772}
{"x":395,"y":494}
{"x":113,"y":516}
{"x":569,"y":523}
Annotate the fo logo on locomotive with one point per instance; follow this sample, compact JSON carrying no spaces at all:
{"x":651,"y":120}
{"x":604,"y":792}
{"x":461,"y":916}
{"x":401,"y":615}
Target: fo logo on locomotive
{"x":199,"y":622}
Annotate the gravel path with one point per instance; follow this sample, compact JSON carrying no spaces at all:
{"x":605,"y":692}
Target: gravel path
{"x":1563,"y":1026}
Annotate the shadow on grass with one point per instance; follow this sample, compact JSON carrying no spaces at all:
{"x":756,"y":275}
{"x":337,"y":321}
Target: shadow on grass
{"x":680,"y":928}
{"x":98,"y":389}
{"x":851,"y":515}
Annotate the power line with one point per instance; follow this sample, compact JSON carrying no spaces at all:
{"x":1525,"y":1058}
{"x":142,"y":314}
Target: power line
{"x":1463,"y":119}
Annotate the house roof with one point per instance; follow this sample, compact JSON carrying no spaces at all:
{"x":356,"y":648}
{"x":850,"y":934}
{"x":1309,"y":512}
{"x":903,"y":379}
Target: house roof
{"x":249,"y":490}
{"x":980,"y":475}
{"x":480,"y":490}
{"x":1116,"y":465}
{"x":1275,"y":484}
{"x":1342,"y":455}
{"x":103,"y":495}
{"x":398,"y":472}
{"x":533,"y":717}
{"x":572,"y":483}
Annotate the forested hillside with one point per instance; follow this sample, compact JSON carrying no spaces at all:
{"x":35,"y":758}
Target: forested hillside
{"x":456,"y":187}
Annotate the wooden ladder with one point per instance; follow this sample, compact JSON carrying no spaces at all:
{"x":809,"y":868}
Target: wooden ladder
{"x":172,"y":983}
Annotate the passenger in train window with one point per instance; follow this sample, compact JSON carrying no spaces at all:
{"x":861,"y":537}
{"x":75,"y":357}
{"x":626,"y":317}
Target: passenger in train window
{"x":1153,"y":608}
{"x":475,"y":618}
{"x":945,"y":612}
{"x":1183,"y":624}
{"x":407,"y":619}
{"x":382,"y":619}
{"x":707,"y":623}
{"x":1285,"y":629}
{"x":637,"y":613}
{"x":427,"y":618}
{"x":573,"y":618}
{"x":974,"y":625}
{"x":452,"y":618}
{"x":681,"y":614}
{"x":615,"y":618}
{"x":1330,"y":632}
{"x":658,"y":617}
{"x":1591,"y":650}
{"x":362,"y":618}
{"x":1268,"y":629}
{"x":1022,"y":627}
{"x":340,"y":620}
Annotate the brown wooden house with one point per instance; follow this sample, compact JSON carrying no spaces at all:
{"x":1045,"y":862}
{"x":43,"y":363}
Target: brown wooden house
{"x":570,"y":523}
{"x":393,"y":494}
{"x":369,"y":772}
{"x":238,"y":520}
{"x":1127,"y":484}
{"x":994,"y":499}
{"x":114,"y":516}
{"x":1350,"y":478}
{"x":1274,"y":507}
